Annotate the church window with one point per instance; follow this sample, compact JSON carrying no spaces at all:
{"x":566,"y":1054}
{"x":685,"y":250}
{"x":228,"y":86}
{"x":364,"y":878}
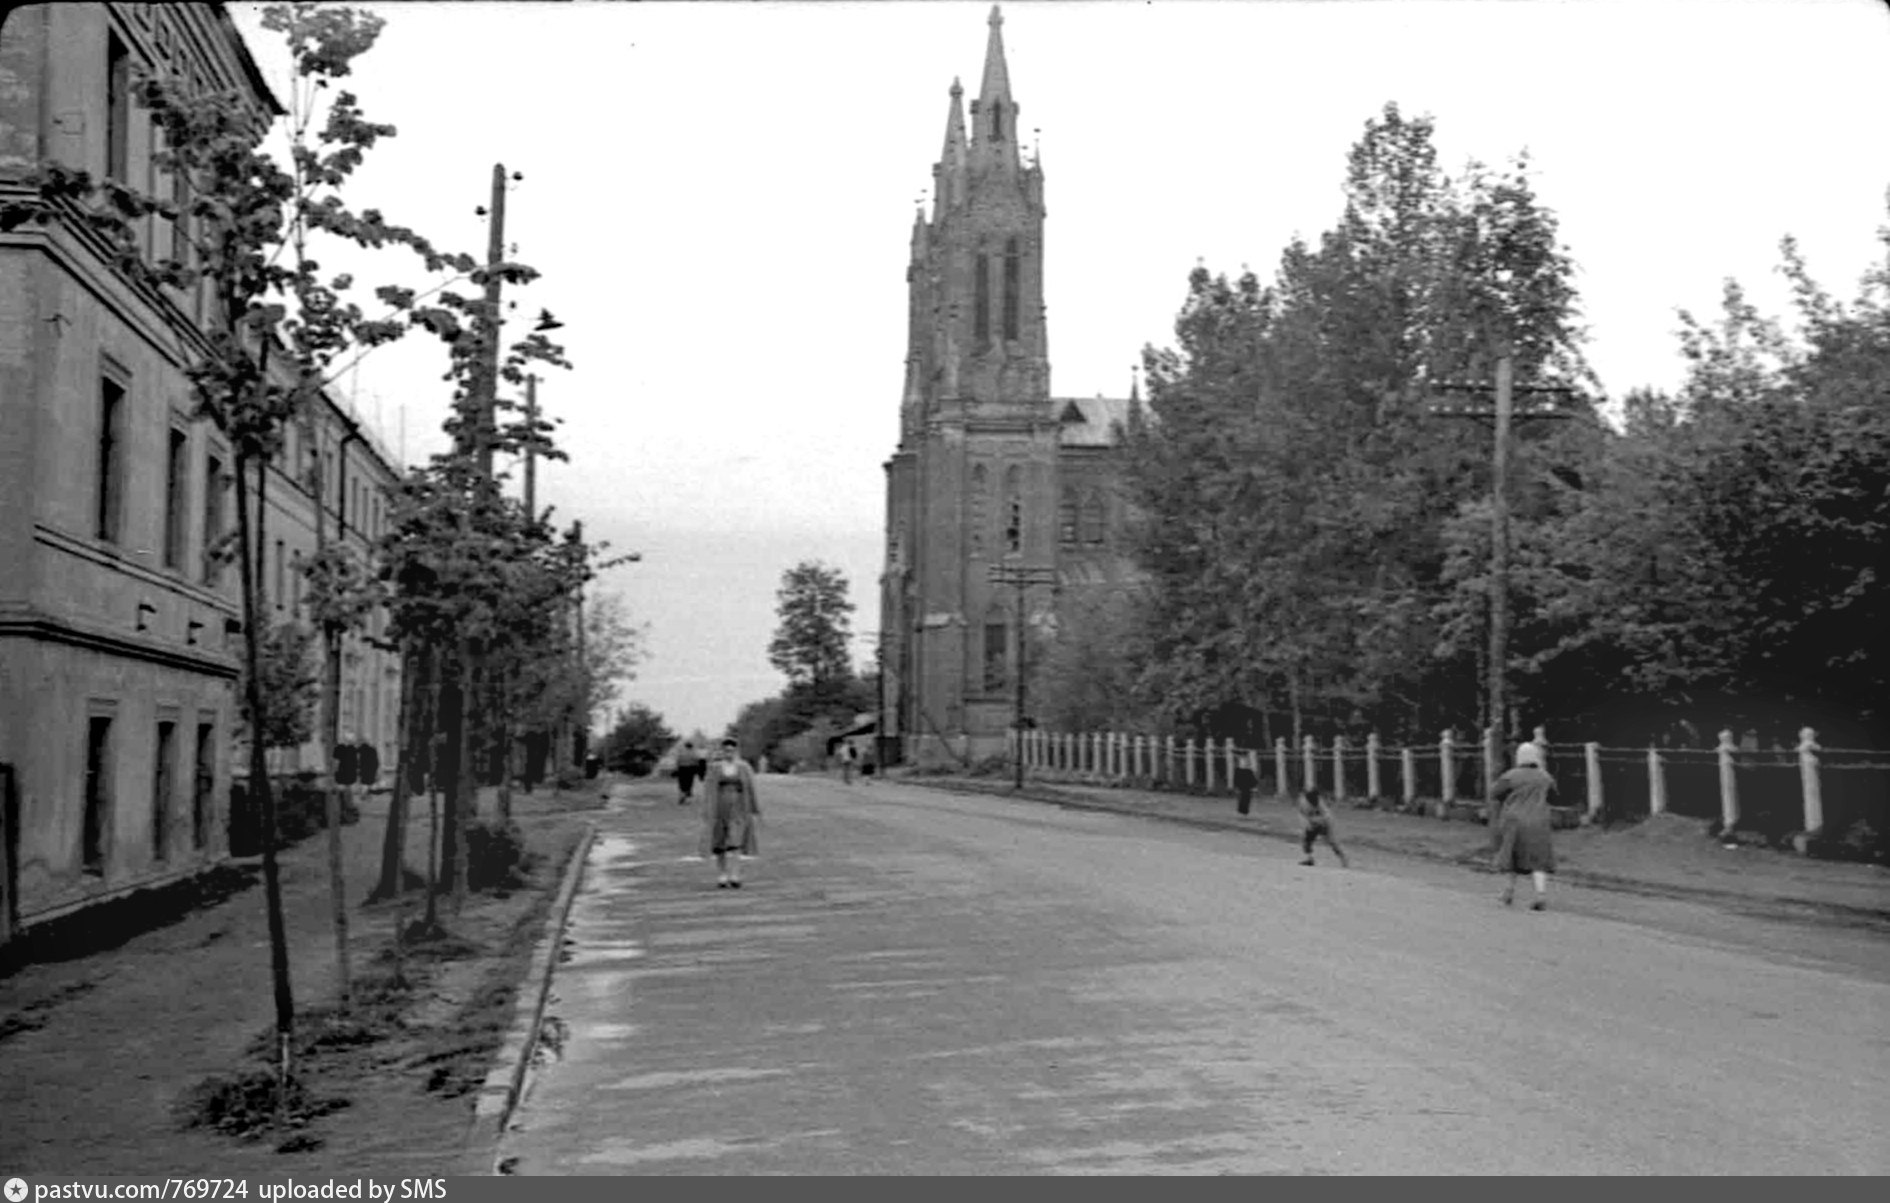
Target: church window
{"x":980,"y":507}
{"x":996,"y":650}
{"x":1014,"y":509}
{"x":1012,"y":268}
{"x":1093,"y":519}
{"x":981,"y":308}
{"x":1066,"y":520}
{"x":997,"y":121}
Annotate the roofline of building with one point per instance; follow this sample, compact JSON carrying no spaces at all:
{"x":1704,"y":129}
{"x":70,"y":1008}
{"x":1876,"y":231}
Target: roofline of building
{"x":248,"y":61}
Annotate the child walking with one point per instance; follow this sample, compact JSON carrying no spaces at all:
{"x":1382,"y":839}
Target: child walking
{"x":1315,"y":821}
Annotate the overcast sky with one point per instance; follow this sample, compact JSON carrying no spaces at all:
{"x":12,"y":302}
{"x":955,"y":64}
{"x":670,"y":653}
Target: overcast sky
{"x":721,"y":197}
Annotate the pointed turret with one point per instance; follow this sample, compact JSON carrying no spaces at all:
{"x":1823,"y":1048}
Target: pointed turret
{"x":948,"y":176}
{"x":997,"y":77}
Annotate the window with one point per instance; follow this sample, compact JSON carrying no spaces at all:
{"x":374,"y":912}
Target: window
{"x":996,"y":651}
{"x":204,"y":788}
{"x":981,"y":308}
{"x":111,"y":457}
{"x":98,"y":794}
{"x":1014,"y":509}
{"x":117,"y":110}
{"x":1093,"y":519}
{"x":281,"y":568}
{"x":1066,"y":520}
{"x":162,"y":778}
{"x":997,"y":121}
{"x":181,"y":224}
{"x":980,"y":507}
{"x":1012,"y":268}
{"x":295,"y":584}
{"x":213,"y":486}
{"x":176,"y":464}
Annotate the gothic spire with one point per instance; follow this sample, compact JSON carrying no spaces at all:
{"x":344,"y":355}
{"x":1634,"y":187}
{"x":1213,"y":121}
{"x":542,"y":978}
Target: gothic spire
{"x":948,"y":177}
{"x":997,"y":77}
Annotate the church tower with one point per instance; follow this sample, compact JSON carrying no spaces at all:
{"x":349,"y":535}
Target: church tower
{"x":973,"y":482}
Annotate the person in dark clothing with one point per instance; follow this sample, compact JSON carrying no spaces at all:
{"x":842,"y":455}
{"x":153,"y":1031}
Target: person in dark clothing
{"x":1315,"y":821}
{"x":688,"y":769}
{"x":1246,"y":778}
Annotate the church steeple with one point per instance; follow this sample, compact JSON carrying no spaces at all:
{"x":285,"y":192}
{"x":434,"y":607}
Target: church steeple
{"x":994,"y":113}
{"x":948,"y":176}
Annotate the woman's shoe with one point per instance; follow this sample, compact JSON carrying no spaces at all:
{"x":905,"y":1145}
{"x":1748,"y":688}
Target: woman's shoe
{"x":736,"y":885}
{"x":1538,"y":904}
{"x":1509,"y":897}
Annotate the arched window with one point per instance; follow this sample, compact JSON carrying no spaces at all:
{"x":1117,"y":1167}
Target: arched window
{"x":1093,"y":519}
{"x":980,"y":507}
{"x":981,"y":300}
{"x":1014,"y":508}
{"x":1066,"y":519}
{"x":997,"y":121}
{"x":997,"y":649}
{"x":1012,"y":268}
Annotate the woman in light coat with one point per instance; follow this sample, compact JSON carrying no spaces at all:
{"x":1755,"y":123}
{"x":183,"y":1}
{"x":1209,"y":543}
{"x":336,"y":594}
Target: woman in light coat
{"x":1523,"y":826}
{"x":731,"y":819}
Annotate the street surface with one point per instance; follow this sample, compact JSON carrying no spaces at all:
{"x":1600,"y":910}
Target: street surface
{"x":916,"y":982}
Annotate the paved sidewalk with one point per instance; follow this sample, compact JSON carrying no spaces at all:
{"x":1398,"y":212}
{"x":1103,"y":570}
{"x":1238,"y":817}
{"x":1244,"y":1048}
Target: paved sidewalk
{"x":1665,"y":856}
{"x":99,"y":1049}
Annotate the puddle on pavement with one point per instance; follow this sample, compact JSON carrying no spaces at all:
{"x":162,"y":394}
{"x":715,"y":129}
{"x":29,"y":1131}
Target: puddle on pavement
{"x":661,"y":1079}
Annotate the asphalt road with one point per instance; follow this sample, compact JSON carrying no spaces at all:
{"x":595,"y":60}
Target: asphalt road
{"x":915,"y":982}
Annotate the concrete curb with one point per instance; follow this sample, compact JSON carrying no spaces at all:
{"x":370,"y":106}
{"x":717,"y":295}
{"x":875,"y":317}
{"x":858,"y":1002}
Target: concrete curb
{"x":1767,"y":905}
{"x":500,"y":1094}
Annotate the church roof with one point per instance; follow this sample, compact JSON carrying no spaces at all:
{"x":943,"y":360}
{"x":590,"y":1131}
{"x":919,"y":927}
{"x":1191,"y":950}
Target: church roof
{"x":1090,"y":421}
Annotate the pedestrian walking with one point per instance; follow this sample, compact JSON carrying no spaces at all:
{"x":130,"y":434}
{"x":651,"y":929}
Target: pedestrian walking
{"x":1524,"y":843}
{"x":1246,"y":778}
{"x":849,"y":757}
{"x":1315,"y":821}
{"x":688,"y":769}
{"x":731,"y":818}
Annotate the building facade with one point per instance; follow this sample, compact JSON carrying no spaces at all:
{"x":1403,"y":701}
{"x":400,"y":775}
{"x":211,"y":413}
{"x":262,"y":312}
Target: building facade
{"x":992,"y":470}
{"x":120,"y":620}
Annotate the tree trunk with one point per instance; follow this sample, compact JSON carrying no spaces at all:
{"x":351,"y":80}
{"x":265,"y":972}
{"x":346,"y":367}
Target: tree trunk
{"x":467,"y":800}
{"x":258,"y":763}
{"x":331,"y":740}
{"x":433,"y":838}
{"x":450,"y":771}
{"x":394,"y":844}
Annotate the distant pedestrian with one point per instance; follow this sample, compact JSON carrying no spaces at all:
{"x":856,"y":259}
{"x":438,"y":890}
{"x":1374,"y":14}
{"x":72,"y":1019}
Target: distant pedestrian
{"x":849,"y":756}
{"x":688,"y":769}
{"x":1246,"y":778}
{"x":1524,"y":843}
{"x":1315,"y":821}
{"x":731,"y":818}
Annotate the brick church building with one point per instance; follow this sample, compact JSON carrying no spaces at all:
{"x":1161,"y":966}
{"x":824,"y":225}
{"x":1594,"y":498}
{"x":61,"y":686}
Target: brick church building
{"x":991,"y":470}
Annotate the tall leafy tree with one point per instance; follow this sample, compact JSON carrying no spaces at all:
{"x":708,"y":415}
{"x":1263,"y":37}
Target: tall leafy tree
{"x":809,"y":646}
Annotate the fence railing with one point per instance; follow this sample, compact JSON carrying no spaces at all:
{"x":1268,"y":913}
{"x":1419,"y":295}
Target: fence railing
{"x":1779,"y":792}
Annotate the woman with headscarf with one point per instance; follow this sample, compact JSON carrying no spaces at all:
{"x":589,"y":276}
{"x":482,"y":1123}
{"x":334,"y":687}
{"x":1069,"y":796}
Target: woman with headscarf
{"x":1523,"y":826}
{"x":731,"y":818}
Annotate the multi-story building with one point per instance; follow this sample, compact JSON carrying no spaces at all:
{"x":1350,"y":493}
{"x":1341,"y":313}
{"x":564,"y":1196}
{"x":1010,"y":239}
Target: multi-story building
{"x":120,"y":627}
{"x":991,"y":469}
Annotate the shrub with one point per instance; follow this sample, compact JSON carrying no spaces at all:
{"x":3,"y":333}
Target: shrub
{"x":496,"y":857}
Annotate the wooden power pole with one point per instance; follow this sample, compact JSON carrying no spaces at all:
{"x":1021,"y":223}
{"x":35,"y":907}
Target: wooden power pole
{"x":1502,"y":414}
{"x":489,"y":367}
{"x":1021,"y":577}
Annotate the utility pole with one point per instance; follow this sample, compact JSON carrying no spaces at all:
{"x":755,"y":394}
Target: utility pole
{"x":1021,"y":577}
{"x":489,"y":369}
{"x":1502,"y":414}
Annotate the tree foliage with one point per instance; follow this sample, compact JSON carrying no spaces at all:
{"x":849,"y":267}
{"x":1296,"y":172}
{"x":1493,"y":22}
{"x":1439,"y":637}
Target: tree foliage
{"x":810,"y":644}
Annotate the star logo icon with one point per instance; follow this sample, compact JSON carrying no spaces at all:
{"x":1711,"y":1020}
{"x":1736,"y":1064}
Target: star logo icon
{"x":16,"y":1190}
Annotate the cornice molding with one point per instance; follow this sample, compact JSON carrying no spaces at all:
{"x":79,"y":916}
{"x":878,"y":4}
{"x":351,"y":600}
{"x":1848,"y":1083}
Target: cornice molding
{"x":27,"y":622}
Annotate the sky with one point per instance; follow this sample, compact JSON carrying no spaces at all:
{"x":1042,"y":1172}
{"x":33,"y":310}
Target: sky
{"x":720,"y":197}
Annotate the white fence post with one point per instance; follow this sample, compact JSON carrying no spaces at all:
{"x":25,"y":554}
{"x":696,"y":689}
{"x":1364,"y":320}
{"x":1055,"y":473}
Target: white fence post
{"x":1728,"y":785}
{"x":1309,"y":764}
{"x":1591,"y":758}
{"x":1207,"y":764}
{"x":1338,"y":768}
{"x":1169,"y":776}
{"x":1808,"y":780}
{"x":1493,"y":760}
{"x":1656,"y":782}
{"x":1447,"y":769}
{"x":1407,"y":764}
{"x":1187,"y":761}
{"x":1373,"y":783}
{"x":1279,"y":766}
{"x":1230,"y":762}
